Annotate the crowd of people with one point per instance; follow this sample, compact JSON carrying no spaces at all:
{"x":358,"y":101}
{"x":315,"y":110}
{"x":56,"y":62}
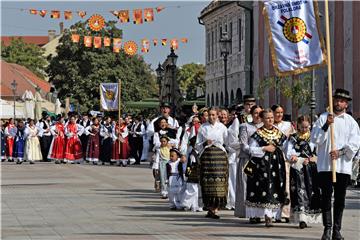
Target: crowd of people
{"x":246,"y":158}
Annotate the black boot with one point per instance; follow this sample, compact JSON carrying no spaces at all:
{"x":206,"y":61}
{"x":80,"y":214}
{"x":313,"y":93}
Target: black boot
{"x":326,"y":216}
{"x":336,"y":235}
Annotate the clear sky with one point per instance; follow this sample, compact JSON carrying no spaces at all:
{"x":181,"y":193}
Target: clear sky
{"x":177,"y":20}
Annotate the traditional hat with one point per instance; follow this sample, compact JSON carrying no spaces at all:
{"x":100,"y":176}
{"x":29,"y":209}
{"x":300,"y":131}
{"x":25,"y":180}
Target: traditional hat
{"x":165,"y":104}
{"x":249,"y":98}
{"x":342,"y":93}
{"x":176,"y":150}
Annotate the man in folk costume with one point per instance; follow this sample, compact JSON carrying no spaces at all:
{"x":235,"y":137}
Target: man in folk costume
{"x":106,"y":132}
{"x":10,"y":133}
{"x":73,"y":149}
{"x":137,"y":132}
{"x":44,"y":126}
{"x":57,"y":148}
{"x":84,"y":122}
{"x":249,"y":101}
{"x":19,"y":143}
{"x":347,"y":143}
{"x":214,"y":170}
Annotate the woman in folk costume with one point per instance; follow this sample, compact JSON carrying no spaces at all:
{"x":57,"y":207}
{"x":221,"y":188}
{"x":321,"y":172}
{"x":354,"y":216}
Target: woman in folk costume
{"x":189,"y":131}
{"x":265,"y":190}
{"x":121,"y":136}
{"x":287,"y":129}
{"x":73,"y":149}
{"x":3,"y":142}
{"x":106,"y":133}
{"x":10,"y":133}
{"x":304,"y":184}
{"x":32,"y":144}
{"x":93,"y":142}
{"x":19,"y":143}
{"x":57,"y":147}
{"x":213,"y":164}
{"x":247,"y":129}
{"x":164,"y":129}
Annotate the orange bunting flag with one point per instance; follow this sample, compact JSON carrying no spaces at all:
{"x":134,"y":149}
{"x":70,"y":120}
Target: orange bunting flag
{"x":107,"y":42}
{"x":124,"y":16}
{"x":174,"y":44}
{"x":115,"y":13}
{"x":155,"y":41}
{"x":184,"y":40}
{"x":68,"y":15}
{"x":42,"y":13}
{"x":163,"y":41}
{"x":97,"y":42}
{"x":75,"y":38}
{"x":138,"y":19}
{"x":116,"y":45}
{"x":33,"y":11}
{"x":160,"y":8}
{"x":87,"y":41}
{"x":148,"y":14}
{"x":145,"y":43}
{"x":81,"y":14}
{"x":55,"y":14}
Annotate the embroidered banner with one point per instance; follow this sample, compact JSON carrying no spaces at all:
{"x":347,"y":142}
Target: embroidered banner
{"x":109,"y":96}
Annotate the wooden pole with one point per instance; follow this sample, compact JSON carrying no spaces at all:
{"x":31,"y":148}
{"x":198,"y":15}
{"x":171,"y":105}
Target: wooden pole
{"x":119,"y":112}
{"x":332,"y":139}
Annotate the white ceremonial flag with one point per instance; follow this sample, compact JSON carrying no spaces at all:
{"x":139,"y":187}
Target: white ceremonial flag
{"x":109,"y":93}
{"x":295,"y":38}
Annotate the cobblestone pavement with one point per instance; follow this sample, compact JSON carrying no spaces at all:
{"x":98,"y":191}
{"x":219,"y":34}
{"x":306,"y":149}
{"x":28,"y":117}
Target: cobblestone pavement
{"x":48,"y":201}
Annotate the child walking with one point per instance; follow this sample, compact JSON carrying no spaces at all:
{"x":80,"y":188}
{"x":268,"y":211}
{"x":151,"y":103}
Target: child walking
{"x":175,"y":179}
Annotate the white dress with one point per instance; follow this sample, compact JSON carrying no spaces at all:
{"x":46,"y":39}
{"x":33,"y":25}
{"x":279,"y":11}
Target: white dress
{"x":32,"y":144}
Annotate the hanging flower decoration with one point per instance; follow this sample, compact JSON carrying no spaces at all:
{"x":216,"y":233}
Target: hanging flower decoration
{"x":130,"y":47}
{"x":96,"y":22}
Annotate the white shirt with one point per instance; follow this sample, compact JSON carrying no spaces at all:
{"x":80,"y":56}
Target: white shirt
{"x":246,"y":131}
{"x":217,"y":132}
{"x":347,"y":137}
{"x":285,"y":127}
{"x":173,"y":123}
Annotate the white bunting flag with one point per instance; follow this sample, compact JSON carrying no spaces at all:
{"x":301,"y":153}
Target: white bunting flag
{"x":109,"y":93}
{"x":295,"y":40}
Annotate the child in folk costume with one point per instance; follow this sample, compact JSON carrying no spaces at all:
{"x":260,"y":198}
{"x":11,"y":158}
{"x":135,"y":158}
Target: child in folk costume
{"x":3,"y":142}
{"x":57,"y":147}
{"x":93,"y":143}
{"x":19,"y":143}
{"x":32,"y":144}
{"x":162,"y":157}
{"x":174,"y":169}
{"x":10,"y":133}
{"x":121,"y":137}
{"x":73,"y":149}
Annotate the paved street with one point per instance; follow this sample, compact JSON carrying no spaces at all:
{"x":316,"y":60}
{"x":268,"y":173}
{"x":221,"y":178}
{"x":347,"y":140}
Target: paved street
{"x":48,"y":201}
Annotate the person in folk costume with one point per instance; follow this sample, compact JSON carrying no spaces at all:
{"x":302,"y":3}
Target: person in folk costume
{"x":85,"y":122}
{"x":19,"y":143}
{"x":10,"y":133}
{"x":57,"y":147}
{"x":73,"y":149}
{"x":164,"y":129}
{"x":174,"y":170}
{"x":246,"y":131}
{"x":93,"y":142}
{"x":304,"y":182}
{"x":203,"y":115}
{"x":145,"y":152}
{"x":190,"y":130}
{"x":44,"y":126}
{"x":106,"y":132}
{"x":121,"y":136}
{"x":32,"y":143}
{"x":248,"y":102}
{"x":265,"y":190}
{"x":347,"y":143}
{"x":213,"y":161}
{"x":287,"y":129}
{"x":162,"y":157}
{"x":137,"y":132}
{"x":3,"y":142}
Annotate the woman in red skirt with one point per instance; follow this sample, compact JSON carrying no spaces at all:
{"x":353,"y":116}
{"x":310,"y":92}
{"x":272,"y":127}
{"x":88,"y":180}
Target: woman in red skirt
{"x":73,"y":150}
{"x":57,"y":147}
{"x":10,"y":133}
{"x":121,"y":135}
{"x":93,"y":146}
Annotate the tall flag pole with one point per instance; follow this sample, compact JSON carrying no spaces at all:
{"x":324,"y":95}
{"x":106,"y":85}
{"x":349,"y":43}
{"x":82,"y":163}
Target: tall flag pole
{"x":332,"y":138}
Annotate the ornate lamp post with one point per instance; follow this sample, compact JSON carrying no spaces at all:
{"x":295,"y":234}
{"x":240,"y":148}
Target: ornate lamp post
{"x":160,"y":74}
{"x":225,"y":45}
{"x":172,"y":57}
{"x":13,"y":88}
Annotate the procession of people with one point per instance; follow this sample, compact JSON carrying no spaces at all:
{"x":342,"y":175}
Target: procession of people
{"x":247,"y":158}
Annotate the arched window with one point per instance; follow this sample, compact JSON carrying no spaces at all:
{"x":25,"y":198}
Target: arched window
{"x":222,"y":99}
{"x":217,"y":99}
{"x":238,"y":95}
{"x":212,"y":100}
{"x":208,"y":100}
{"x":232,"y":97}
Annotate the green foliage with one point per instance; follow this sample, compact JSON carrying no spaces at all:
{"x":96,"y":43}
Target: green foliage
{"x":298,"y":89}
{"x":25,"y":54}
{"x":77,"y":71}
{"x":190,"y":76}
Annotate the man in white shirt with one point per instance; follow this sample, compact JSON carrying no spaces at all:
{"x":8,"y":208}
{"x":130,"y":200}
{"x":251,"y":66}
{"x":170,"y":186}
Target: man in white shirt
{"x":347,"y":141}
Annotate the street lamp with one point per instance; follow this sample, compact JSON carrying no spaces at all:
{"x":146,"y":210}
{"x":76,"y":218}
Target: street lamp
{"x":13,"y":88}
{"x":172,"y":57}
{"x":224,"y":46}
{"x":160,"y":75}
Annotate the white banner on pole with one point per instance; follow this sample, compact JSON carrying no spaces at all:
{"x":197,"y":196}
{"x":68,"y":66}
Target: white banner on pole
{"x":109,"y":93}
{"x":295,"y":40}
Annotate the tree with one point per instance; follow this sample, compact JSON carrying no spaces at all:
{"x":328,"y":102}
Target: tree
{"x":77,"y":71}
{"x":190,"y":76}
{"x":25,"y":54}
